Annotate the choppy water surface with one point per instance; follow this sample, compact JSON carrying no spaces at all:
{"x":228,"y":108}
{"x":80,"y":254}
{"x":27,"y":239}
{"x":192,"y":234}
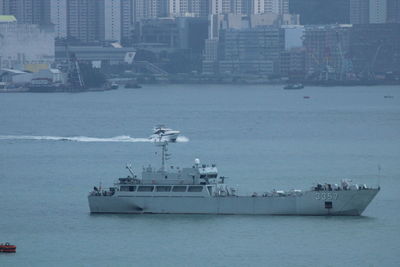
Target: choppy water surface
{"x":55,"y":147}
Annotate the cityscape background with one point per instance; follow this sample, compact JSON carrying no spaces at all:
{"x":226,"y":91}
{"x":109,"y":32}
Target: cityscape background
{"x":249,"y":41}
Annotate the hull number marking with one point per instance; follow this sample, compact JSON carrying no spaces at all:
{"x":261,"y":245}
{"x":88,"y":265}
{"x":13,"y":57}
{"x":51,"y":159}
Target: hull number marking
{"x":326,"y":196}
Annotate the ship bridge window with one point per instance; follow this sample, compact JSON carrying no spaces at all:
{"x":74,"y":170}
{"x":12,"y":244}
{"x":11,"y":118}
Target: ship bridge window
{"x":128,"y":188}
{"x":163,"y":188}
{"x":195,"y":189}
{"x":179,"y":188}
{"x":214,"y":175}
{"x":145,"y":188}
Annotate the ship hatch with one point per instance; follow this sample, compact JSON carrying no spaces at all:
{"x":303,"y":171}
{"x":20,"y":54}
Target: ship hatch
{"x":328,"y":204}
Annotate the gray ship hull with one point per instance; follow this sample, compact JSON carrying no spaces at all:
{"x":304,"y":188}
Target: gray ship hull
{"x":344,"y":202}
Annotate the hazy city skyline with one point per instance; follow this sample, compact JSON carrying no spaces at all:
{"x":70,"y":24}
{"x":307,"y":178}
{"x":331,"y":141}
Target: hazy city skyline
{"x":314,"y":41}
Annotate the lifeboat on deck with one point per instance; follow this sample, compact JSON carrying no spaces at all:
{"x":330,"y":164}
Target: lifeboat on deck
{"x":8,"y":248}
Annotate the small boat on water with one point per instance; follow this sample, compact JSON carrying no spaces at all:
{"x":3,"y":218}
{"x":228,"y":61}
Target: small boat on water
{"x":114,"y":86}
{"x":162,"y":133}
{"x":293,"y":86}
{"x":8,"y":248}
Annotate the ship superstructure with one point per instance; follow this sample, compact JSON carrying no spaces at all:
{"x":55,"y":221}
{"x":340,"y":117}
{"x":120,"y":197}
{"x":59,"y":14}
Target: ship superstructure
{"x":200,"y":190}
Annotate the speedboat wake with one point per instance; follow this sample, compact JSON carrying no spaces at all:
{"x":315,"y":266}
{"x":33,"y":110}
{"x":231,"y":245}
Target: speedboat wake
{"x":122,"y":138}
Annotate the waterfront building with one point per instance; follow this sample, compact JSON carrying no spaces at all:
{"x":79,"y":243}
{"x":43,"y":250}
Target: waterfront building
{"x":58,"y":13}
{"x":294,"y":35}
{"x":374,"y":11}
{"x":237,"y":21}
{"x":393,"y":11}
{"x":327,"y":48}
{"x":210,"y":62}
{"x":2,"y":7}
{"x":22,"y":44}
{"x":253,"y":50}
{"x":359,"y":11}
{"x":226,"y":7}
{"x":173,"y":33}
{"x":115,"y":20}
{"x":199,"y":8}
{"x":127,"y":20}
{"x":377,"y":11}
{"x":162,"y":31}
{"x":82,"y":20}
{"x":319,"y":12}
{"x":148,"y":9}
{"x":97,"y":55}
{"x":272,"y":6}
{"x":178,"y":8}
{"x":27,"y":11}
{"x":109,"y":20}
{"x":375,"y":49}
{"x":258,"y":6}
{"x":293,"y":63}
{"x":191,"y":8}
{"x":226,"y":22}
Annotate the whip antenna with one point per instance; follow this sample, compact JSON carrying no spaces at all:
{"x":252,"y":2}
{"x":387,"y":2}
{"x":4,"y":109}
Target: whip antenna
{"x":379,"y":175}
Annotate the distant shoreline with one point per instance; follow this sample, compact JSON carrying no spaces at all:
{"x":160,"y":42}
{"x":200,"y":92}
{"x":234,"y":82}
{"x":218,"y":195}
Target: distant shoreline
{"x":224,"y":82}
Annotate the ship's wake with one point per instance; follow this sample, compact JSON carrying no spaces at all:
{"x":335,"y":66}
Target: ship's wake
{"x":122,"y":138}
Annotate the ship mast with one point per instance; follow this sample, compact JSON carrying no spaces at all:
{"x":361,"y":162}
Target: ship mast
{"x":164,"y":154}
{"x":163,"y":151}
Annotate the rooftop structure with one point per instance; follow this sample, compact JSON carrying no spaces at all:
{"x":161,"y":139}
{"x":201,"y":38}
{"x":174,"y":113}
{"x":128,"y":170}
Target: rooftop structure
{"x":7,"y":19}
{"x":102,"y":54}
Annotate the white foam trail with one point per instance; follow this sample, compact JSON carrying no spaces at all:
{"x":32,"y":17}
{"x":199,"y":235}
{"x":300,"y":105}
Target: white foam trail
{"x":122,"y":138}
{"x":182,"y":139}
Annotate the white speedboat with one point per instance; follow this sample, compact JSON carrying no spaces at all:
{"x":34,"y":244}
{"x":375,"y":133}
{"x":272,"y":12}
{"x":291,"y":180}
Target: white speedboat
{"x":164,"y":134}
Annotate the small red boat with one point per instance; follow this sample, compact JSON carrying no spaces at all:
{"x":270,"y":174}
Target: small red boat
{"x":8,"y":248}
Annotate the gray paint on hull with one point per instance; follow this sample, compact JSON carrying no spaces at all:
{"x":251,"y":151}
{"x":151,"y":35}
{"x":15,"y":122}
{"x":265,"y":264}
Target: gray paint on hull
{"x":349,"y":202}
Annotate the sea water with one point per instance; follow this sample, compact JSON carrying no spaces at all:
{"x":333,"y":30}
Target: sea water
{"x":55,"y":147}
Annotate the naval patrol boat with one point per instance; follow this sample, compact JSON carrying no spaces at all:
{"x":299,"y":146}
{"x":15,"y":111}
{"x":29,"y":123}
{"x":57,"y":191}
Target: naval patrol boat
{"x":200,"y":190}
